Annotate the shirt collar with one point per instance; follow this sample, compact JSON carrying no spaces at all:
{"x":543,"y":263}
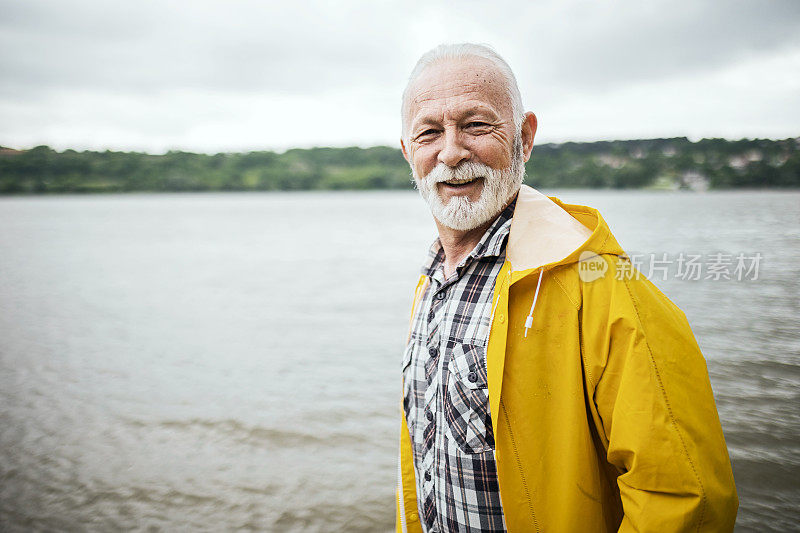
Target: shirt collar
{"x":490,"y":245}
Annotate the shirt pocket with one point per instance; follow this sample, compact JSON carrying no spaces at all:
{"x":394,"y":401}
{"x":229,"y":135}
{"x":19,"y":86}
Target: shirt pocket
{"x":466,"y":406}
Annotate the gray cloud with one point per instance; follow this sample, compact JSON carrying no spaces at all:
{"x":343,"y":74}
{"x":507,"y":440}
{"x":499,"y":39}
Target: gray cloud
{"x":588,"y":45}
{"x":209,"y":74}
{"x":232,"y":46}
{"x":655,"y":40}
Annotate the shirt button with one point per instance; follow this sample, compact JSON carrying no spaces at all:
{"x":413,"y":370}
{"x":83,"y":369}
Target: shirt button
{"x":413,"y":517}
{"x":433,"y":352}
{"x":501,"y":318}
{"x":440,"y":295}
{"x":427,"y":476}
{"x":472,"y":376}
{"x":429,"y":415}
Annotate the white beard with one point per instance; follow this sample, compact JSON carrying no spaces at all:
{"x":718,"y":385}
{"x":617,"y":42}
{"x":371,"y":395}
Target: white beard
{"x":462,"y":214}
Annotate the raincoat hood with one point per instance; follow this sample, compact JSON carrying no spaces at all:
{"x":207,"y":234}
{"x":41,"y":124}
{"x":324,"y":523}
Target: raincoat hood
{"x":546,"y":232}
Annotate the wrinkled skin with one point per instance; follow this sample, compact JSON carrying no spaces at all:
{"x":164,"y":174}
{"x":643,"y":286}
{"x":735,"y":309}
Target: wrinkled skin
{"x":459,"y":110}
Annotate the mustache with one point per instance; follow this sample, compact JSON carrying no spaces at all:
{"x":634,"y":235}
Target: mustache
{"x":467,"y":170}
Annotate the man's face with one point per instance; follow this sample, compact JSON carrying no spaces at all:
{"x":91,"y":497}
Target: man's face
{"x":462,"y":145}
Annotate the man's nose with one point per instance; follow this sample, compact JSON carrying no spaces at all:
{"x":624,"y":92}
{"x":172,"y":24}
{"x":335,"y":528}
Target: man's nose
{"x":453,"y":152}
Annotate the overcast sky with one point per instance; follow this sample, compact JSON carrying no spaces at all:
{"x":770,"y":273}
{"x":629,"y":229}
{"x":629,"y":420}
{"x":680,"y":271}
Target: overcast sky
{"x":248,"y":75}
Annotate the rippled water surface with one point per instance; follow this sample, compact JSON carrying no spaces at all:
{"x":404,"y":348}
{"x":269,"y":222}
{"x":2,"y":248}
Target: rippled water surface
{"x":230,"y":361}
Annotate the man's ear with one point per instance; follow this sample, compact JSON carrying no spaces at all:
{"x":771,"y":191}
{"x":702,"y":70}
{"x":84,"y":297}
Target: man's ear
{"x":529,"y":125}
{"x":403,"y":149}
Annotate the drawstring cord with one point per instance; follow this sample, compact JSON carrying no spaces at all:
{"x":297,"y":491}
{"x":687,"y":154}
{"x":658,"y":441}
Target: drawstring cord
{"x":529,"y":320}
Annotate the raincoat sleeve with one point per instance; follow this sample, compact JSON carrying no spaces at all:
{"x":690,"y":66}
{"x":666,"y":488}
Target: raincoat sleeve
{"x":654,"y":410}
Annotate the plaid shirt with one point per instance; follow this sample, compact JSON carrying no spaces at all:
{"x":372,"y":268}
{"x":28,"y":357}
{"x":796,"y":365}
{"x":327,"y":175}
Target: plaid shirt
{"x":446,"y":398}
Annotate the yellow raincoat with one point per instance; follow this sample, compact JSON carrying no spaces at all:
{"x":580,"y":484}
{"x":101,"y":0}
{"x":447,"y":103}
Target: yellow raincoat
{"x":602,"y":410}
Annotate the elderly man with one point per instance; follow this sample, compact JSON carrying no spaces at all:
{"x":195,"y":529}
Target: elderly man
{"x":541,"y":390}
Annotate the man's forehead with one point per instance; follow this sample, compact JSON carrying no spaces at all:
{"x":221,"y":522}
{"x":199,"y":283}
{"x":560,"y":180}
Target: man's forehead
{"x":471,"y":79}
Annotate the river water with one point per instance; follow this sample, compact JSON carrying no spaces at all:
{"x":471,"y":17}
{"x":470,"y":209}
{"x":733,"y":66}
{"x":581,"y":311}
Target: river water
{"x":231,"y":361}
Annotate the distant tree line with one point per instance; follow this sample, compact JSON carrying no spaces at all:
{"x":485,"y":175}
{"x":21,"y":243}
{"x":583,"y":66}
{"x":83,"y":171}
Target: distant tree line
{"x":655,"y":163}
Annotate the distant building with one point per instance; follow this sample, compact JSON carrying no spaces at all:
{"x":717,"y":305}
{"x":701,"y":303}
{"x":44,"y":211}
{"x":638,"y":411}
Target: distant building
{"x":694,"y":181}
{"x":612,"y":161}
{"x":740,"y":161}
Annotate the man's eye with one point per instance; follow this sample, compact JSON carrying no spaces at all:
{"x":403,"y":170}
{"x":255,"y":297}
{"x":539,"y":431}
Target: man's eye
{"x":477,"y":124}
{"x":427,"y":133}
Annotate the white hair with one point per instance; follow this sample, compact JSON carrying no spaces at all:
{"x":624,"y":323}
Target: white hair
{"x":462,"y":51}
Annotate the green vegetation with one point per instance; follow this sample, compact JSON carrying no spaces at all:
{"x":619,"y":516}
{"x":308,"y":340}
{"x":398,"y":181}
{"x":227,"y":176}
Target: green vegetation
{"x":654,"y":163}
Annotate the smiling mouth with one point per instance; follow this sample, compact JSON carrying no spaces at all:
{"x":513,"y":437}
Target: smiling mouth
{"x":460,"y":182}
